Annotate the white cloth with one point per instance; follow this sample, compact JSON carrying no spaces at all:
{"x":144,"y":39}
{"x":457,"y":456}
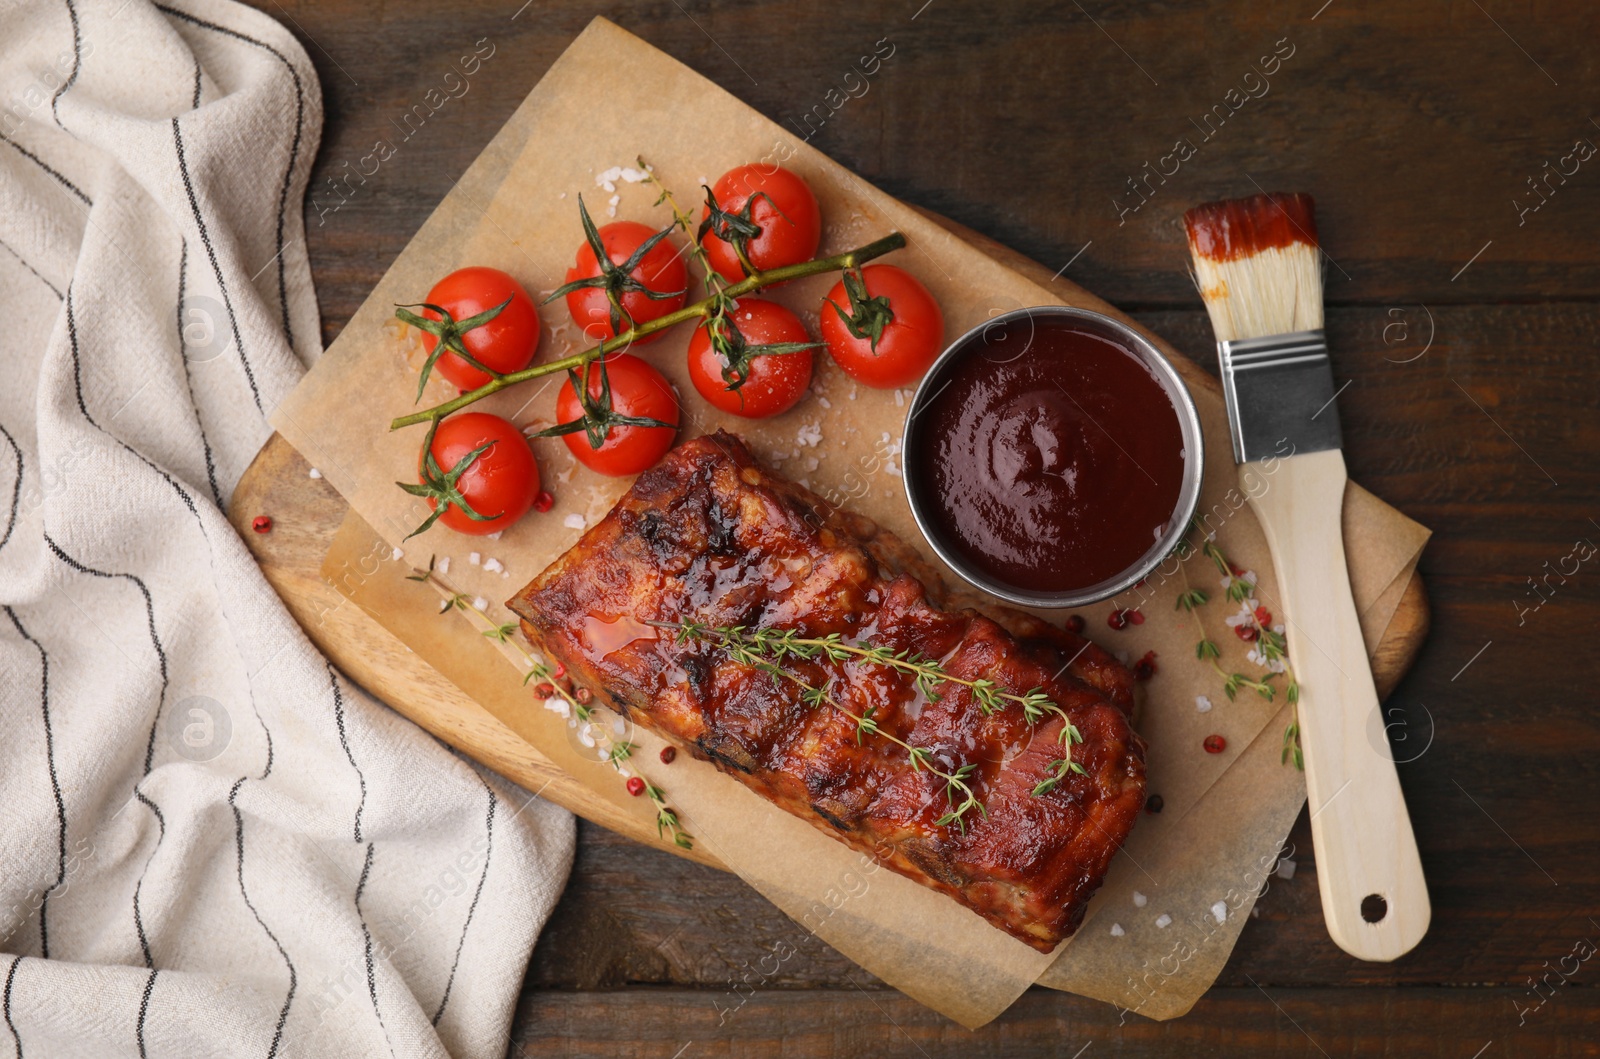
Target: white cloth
{"x":210,"y":842}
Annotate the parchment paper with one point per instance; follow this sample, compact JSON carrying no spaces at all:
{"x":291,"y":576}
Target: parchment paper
{"x":516,"y":209}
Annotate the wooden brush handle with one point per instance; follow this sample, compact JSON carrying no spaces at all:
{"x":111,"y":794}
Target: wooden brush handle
{"x":1359,"y":825}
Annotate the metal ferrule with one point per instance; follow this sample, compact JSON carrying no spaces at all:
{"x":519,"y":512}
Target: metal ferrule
{"x":1279,"y":391}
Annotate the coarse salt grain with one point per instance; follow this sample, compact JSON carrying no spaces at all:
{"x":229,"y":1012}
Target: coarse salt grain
{"x":824,"y":402}
{"x":493,"y":566}
{"x":1285,"y":868}
{"x":900,"y":398}
{"x":444,"y":564}
{"x":1117,"y":931}
{"x":573,"y":521}
{"x":1139,"y":899}
{"x":1202,"y":704}
{"x":809,"y":434}
{"x":474,"y":558}
{"x":397,"y":554}
{"x":315,"y":473}
{"x":479,"y":603}
{"x":1219,"y":911}
{"x":493,"y":536}
{"x":1163,"y":921}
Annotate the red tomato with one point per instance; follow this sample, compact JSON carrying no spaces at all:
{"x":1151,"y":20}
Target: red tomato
{"x":780,"y":204}
{"x":504,"y":344}
{"x":908,"y":342}
{"x":661,"y":269}
{"x":637,"y":391}
{"x":774,"y":382}
{"x":501,"y":482}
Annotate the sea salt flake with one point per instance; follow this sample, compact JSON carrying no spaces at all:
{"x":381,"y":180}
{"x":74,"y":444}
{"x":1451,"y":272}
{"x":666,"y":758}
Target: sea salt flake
{"x":1285,"y":869}
{"x":1139,"y":899}
{"x":479,"y":603}
{"x":315,"y":473}
{"x":493,"y":566}
{"x":823,"y":401}
{"x":809,"y":434}
{"x":1163,"y":921}
{"x":475,"y":558}
{"x":397,"y":555}
{"x":1219,"y":911}
{"x":1202,"y":704}
{"x":1117,"y":931}
{"x":493,"y":536}
{"x":573,"y":521}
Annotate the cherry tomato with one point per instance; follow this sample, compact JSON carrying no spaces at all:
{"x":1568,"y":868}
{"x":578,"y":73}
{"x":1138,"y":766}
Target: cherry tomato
{"x":637,"y":390}
{"x":780,"y":204}
{"x":909,"y":341}
{"x":774,"y":382}
{"x":661,"y":270}
{"x":500,"y":483}
{"x":504,"y":344}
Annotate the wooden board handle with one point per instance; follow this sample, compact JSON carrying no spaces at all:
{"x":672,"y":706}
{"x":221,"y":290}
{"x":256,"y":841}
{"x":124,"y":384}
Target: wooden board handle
{"x":1374,"y":896}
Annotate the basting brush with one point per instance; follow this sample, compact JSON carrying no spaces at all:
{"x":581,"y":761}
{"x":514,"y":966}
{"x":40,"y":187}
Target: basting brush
{"x":1258,"y":267}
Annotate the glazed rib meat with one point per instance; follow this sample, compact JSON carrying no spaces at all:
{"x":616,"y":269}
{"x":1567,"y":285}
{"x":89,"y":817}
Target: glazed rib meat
{"x":711,"y":537}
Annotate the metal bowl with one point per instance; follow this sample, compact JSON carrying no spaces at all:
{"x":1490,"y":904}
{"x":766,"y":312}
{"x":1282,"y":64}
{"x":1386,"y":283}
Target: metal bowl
{"x":914,"y":446}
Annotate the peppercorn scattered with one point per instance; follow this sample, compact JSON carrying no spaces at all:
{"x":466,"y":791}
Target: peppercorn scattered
{"x":262,"y":524}
{"x":1135,"y":616}
{"x":1215,"y":744}
{"x":584,"y":695}
{"x":1263,"y":616}
{"x":559,"y":671}
{"x":1154,"y":804}
{"x":543,"y":502}
{"x":1145,"y":668}
{"x":1075,"y":623}
{"x":635,"y":786}
{"x":544,"y":691}
{"x":1247,"y":633}
{"x":668,"y":754}
{"x":1117,"y":619}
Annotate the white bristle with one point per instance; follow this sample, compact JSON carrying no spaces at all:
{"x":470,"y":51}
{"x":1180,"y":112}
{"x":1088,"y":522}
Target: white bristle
{"x":1274,"y":291}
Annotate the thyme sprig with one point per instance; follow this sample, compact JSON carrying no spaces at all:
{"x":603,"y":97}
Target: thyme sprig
{"x":927,"y":673}
{"x":748,"y":651}
{"x":1270,"y":644}
{"x":667,"y":821}
{"x":764,"y":649}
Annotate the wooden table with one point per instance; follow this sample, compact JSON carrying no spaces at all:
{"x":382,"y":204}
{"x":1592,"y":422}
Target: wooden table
{"x":1467,"y":333}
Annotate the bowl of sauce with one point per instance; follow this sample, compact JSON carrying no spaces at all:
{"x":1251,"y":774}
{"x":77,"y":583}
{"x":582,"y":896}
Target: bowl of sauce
{"x":1052,"y":456}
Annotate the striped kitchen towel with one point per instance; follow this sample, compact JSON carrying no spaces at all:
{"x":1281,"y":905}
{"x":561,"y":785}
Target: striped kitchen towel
{"x":211,"y":843}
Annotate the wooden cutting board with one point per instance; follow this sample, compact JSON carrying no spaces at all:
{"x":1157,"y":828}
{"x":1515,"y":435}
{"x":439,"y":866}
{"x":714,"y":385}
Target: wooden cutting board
{"x":307,"y":513}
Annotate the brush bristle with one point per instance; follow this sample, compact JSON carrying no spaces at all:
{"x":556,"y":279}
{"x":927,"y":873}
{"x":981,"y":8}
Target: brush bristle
{"x":1257,"y":265}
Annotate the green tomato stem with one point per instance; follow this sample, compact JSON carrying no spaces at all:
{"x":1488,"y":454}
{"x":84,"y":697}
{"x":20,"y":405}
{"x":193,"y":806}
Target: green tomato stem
{"x":849,"y":259}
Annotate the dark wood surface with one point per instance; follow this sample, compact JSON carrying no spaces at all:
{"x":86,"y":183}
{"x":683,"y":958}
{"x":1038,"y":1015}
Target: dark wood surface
{"x":1416,"y":127}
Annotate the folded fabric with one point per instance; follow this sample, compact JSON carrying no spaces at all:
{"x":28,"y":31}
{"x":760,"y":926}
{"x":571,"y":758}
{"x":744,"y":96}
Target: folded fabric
{"x":213,"y":844}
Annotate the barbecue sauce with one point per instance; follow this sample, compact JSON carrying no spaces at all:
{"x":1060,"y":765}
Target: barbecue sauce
{"x":1054,"y":457}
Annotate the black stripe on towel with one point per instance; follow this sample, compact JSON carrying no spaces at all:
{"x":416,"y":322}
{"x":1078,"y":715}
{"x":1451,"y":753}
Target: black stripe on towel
{"x":294,"y":148}
{"x":238,"y":838}
{"x":55,"y":787}
{"x":211,"y":253}
{"x":42,"y":164}
{"x":5,"y":1004}
{"x":16,"y":489}
{"x":473,"y":908}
